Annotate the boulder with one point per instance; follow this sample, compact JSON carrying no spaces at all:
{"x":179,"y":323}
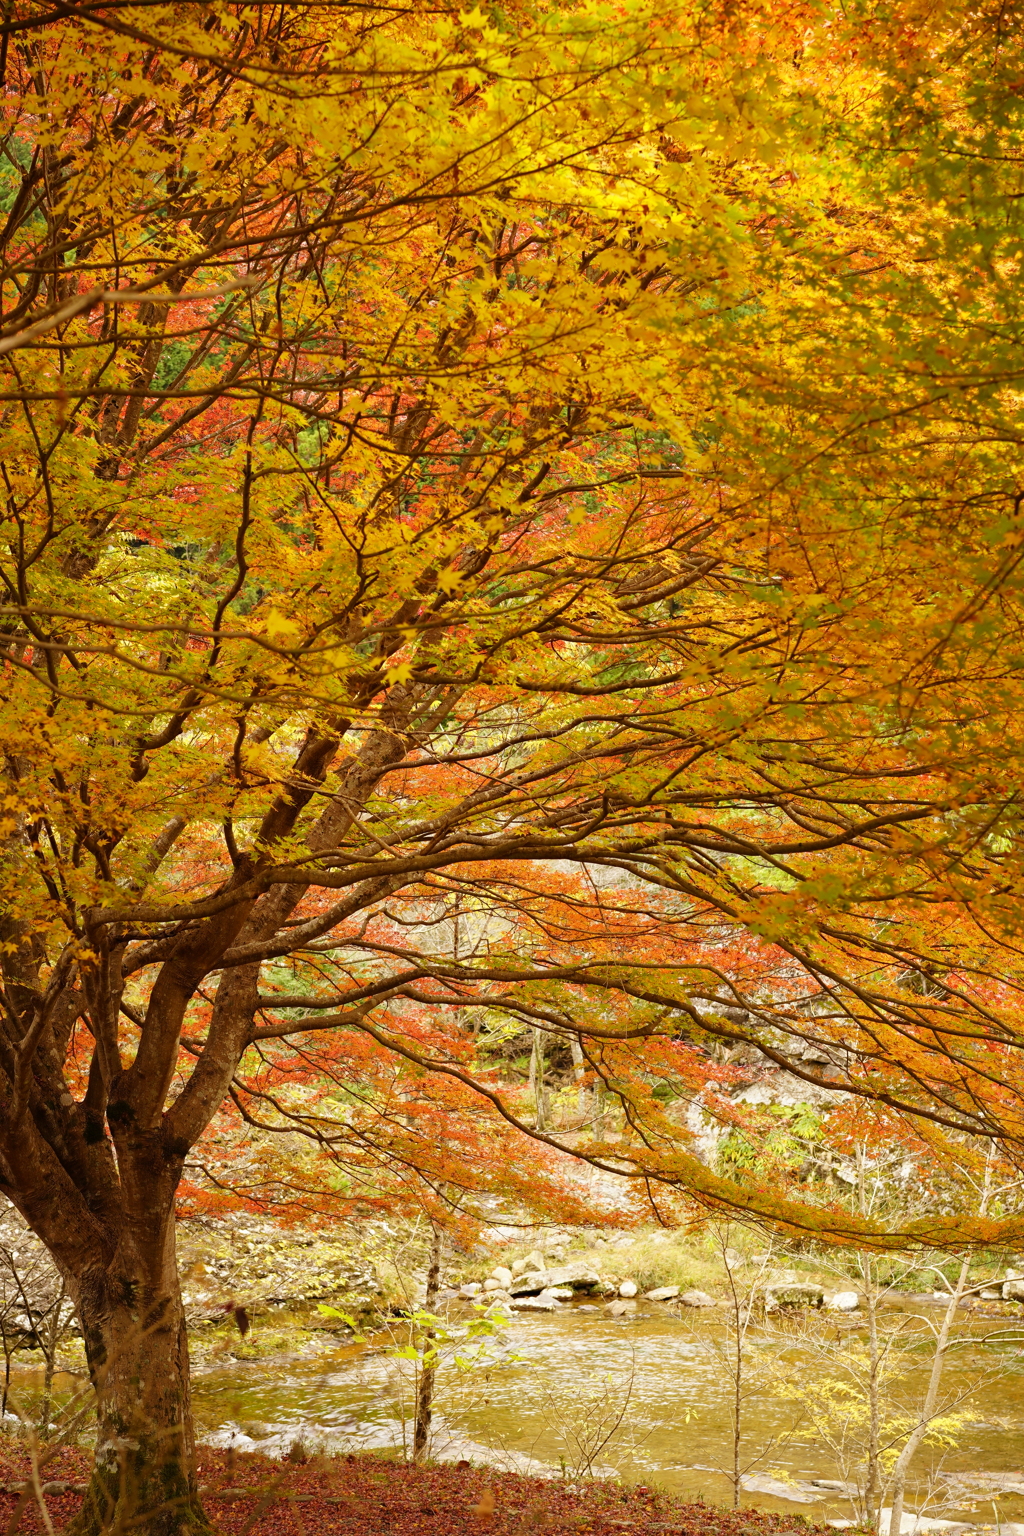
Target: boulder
{"x":529,"y":1284}
{"x":843,"y":1301}
{"x":534,"y":1260}
{"x":781,"y":1298}
{"x":628,"y":1288}
{"x":662,"y":1293}
{"x":502,"y":1275}
{"x":472,"y":1289}
{"x":697,"y":1299}
{"x":518,"y":1265}
{"x":494,"y":1285}
{"x":1013,"y":1290}
{"x":559,"y":1292}
{"x":577,"y":1277}
{"x":620,"y":1308}
{"x":535,"y":1303}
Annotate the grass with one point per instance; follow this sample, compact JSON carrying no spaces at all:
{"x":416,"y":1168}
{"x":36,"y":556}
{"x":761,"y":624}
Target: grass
{"x":650,"y":1259}
{"x":652,"y":1262}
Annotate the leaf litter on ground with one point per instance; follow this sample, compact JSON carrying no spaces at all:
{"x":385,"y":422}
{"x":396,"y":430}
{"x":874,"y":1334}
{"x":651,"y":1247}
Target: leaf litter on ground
{"x":367,"y":1495}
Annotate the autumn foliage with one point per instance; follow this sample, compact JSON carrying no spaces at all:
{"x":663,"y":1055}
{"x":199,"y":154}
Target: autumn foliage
{"x":512,"y":519}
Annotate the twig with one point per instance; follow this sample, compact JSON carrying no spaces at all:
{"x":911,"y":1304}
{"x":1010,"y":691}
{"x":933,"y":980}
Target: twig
{"x":83,"y":301}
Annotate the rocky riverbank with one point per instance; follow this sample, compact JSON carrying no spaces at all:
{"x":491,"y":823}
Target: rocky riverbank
{"x":252,"y":1289}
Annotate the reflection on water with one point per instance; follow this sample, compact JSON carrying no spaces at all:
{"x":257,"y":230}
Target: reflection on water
{"x":557,"y":1379}
{"x":554,"y":1383}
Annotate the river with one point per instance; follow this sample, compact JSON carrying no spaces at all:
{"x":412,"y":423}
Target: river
{"x":553,"y":1385}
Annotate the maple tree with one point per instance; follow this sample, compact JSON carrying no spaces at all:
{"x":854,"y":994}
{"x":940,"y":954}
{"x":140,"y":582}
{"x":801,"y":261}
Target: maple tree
{"x":510,"y":519}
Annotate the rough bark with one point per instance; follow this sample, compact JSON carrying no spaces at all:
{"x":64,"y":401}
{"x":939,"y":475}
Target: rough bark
{"x":134,"y":1330}
{"x":427,"y":1376}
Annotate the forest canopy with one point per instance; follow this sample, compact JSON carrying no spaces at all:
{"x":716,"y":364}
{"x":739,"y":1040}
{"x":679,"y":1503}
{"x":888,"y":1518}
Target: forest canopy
{"x":512,"y":522}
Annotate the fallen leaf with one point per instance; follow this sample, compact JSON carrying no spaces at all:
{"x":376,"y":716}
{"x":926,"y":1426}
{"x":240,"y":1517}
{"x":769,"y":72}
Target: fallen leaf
{"x":486,"y":1506}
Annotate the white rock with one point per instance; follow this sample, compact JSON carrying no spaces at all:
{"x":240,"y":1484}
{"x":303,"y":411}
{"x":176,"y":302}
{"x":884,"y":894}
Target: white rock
{"x":628,"y":1288}
{"x":662,"y":1293}
{"x":518,"y":1265}
{"x":534,"y":1260}
{"x":843,"y":1301}
{"x":793,"y":1491}
{"x":783,"y":1297}
{"x":535,"y":1304}
{"x":578,"y":1277}
{"x":619,"y":1308}
{"x":230,"y":1436}
{"x":472,"y":1289}
{"x":923,"y":1525}
{"x":502,"y":1275}
{"x":697,"y":1299}
{"x":559,"y":1292}
{"x":494,"y":1285}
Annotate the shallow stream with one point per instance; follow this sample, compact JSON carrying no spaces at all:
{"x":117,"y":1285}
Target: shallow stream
{"x":555,"y":1384}
{"x":647,"y":1397}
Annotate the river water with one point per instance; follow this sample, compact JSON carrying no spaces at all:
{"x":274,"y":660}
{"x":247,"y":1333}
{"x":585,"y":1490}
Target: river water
{"x":551,"y":1387}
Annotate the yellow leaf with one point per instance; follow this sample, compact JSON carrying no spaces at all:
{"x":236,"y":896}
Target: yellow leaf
{"x":282,"y":630}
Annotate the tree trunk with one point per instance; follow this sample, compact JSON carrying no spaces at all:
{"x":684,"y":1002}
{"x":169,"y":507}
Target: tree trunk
{"x":50,"y":1337}
{"x":536,"y":1081}
{"x":872,"y":1510}
{"x":929,"y":1405}
{"x":427,"y":1375}
{"x":134,"y":1330}
{"x":578,"y":1069}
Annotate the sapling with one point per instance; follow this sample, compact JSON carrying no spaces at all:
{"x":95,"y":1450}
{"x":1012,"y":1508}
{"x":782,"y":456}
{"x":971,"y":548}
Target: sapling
{"x":732,"y":1352}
